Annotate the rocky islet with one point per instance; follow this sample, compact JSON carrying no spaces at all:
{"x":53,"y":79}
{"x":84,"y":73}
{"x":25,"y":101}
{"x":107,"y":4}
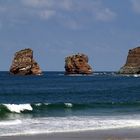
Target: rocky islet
{"x":77,"y":64}
{"x":132,"y":65}
{"x":24,"y":64}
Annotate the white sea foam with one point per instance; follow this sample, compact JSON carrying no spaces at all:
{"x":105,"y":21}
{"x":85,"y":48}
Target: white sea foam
{"x":38,"y":104}
{"x":10,"y":122}
{"x":46,"y":103}
{"x":18,"y":108}
{"x":68,"y":124}
{"x":68,"y":105}
{"x":136,"y":75}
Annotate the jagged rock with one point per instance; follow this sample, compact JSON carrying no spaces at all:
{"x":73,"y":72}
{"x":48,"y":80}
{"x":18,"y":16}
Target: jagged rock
{"x":24,"y":64}
{"x":77,"y":64}
{"x":132,"y":65}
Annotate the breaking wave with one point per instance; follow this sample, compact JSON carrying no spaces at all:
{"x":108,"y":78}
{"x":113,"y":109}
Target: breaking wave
{"x":24,"y":108}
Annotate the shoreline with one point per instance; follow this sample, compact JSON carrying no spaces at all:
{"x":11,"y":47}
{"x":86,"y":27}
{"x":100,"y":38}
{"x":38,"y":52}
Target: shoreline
{"x":109,"y":134}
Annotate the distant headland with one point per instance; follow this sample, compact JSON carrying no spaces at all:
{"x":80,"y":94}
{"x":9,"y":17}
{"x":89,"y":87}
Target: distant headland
{"x":132,"y":65}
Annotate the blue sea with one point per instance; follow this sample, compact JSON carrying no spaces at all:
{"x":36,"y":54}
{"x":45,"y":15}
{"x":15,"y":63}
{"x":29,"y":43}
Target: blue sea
{"x":54,"y":102}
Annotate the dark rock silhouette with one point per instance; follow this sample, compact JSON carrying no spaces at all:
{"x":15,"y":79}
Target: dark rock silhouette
{"x":77,"y":64}
{"x":132,"y":65}
{"x":24,"y":64}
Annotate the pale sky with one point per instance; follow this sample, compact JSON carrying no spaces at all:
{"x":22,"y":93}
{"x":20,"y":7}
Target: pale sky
{"x":103,"y":29}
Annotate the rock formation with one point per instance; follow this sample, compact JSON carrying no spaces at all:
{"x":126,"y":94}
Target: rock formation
{"x":77,"y":64}
{"x":24,"y":64}
{"x":132,"y":65}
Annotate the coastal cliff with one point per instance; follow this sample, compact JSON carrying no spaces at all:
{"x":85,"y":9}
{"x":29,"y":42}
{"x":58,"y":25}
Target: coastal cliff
{"x":24,"y":64}
{"x":77,"y":64}
{"x":132,"y":65}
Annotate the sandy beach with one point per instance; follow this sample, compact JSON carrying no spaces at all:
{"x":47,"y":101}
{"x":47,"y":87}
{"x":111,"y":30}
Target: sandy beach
{"x":114,"y":134}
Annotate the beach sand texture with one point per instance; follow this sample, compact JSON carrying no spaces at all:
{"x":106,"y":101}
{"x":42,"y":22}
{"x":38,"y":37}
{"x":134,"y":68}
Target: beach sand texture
{"x":114,"y":134}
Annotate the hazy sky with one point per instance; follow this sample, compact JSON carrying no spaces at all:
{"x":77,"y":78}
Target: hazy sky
{"x":103,"y":29}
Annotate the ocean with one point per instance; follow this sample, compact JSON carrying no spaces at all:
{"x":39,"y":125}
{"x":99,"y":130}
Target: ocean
{"x":54,"y":102}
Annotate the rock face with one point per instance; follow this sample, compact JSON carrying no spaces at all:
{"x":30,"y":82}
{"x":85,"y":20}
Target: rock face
{"x":77,"y":64}
{"x":132,"y":65}
{"x":24,"y":64}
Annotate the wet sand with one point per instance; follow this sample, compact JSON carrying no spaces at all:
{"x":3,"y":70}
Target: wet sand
{"x":112,"y":134}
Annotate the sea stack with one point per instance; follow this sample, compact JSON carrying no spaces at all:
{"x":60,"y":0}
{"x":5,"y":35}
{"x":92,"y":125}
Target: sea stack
{"x":77,"y":64}
{"x":24,"y":64}
{"x":132,"y":65}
